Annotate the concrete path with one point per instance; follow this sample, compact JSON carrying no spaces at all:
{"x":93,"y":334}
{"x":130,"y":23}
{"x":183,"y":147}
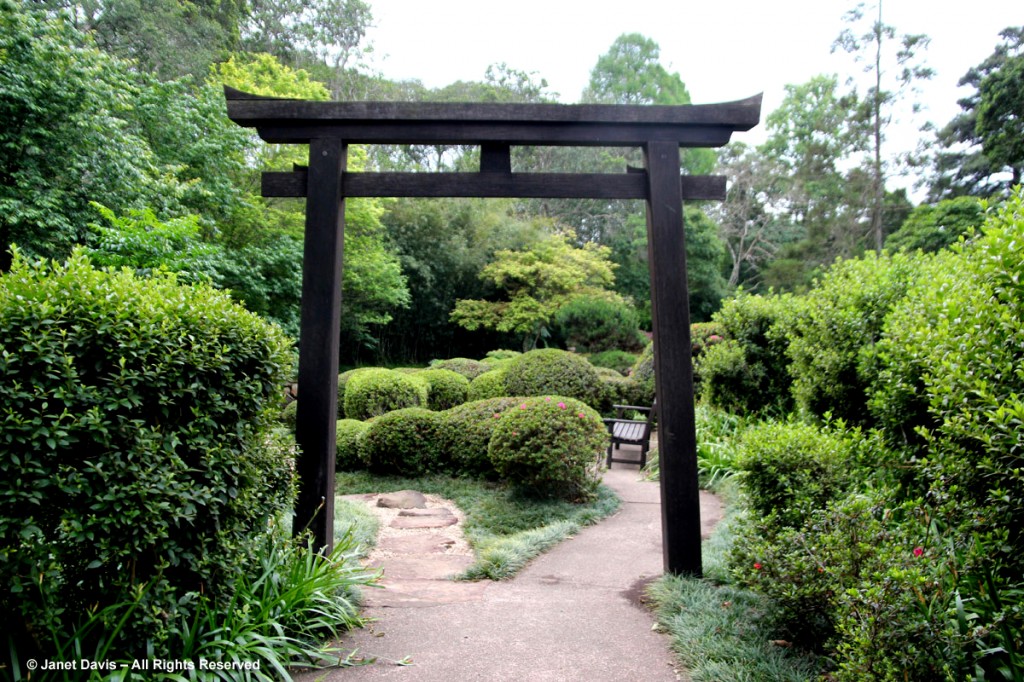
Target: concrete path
{"x":574,"y":614}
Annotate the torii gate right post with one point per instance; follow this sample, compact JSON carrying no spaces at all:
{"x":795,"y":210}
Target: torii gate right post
{"x":660,"y":131}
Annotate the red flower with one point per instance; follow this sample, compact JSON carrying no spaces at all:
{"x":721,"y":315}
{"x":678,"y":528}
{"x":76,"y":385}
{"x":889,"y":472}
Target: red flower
{"x":757,"y":566}
{"x":561,"y":405}
{"x":918,"y":551}
{"x":582,"y":415}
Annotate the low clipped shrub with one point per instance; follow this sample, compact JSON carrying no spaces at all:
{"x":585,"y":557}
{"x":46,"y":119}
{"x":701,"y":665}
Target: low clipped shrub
{"x":466,"y":432}
{"x":501,"y":354}
{"x":403,"y":442}
{"x":618,"y":360}
{"x":343,"y":384}
{"x":373,"y":392}
{"x":640,"y":390}
{"x":747,"y":371}
{"x":349,"y":444}
{"x":549,"y":371}
{"x":488,"y":385}
{"x":139,"y":451}
{"x":289,"y":414}
{"x":550,"y":446}
{"x":791,"y":469}
{"x":592,"y":325}
{"x":445,"y":388}
{"x":470,"y":369}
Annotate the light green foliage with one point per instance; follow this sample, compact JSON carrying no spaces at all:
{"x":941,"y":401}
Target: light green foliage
{"x":747,"y":372}
{"x":403,"y":442}
{"x":999,"y":122}
{"x":488,"y":385}
{"x":833,"y":333}
{"x":550,"y":446}
{"x":138,"y":451}
{"x":348,"y":440}
{"x":931,"y":228}
{"x":791,"y":469}
{"x":951,"y":364}
{"x":537,"y":282}
{"x":617,"y":360}
{"x":593,"y":325}
{"x":445,"y":388}
{"x":289,"y":415}
{"x":641,"y":390}
{"x":549,"y":371}
{"x":466,"y":432}
{"x":373,"y":392}
{"x":57,"y":92}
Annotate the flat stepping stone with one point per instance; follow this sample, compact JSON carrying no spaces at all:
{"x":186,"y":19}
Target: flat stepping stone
{"x":423,"y":567}
{"x":403,"y":499}
{"x":436,"y":511}
{"x":416,"y":544}
{"x":431,"y":521}
{"x":411,"y":593}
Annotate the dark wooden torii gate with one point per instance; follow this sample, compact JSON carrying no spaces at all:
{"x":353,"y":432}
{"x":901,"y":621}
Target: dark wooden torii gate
{"x":328,"y":127}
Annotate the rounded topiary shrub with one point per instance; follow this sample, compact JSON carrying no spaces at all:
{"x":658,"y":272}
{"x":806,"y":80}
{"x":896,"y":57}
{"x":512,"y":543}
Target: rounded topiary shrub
{"x":374,"y":392}
{"x":488,"y":385}
{"x":501,"y":354}
{"x":289,"y":414}
{"x":445,"y":388}
{"x":551,"y":446}
{"x":403,"y":442}
{"x":466,"y":432}
{"x":640,"y":390}
{"x":549,"y":371}
{"x":470,"y":369}
{"x":349,"y":444}
{"x":138,"y":447}
{"x":618,"y":360}
{"x":343,"y":384}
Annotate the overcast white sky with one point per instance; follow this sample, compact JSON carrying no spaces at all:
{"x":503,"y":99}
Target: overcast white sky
{"x":723,"y":49}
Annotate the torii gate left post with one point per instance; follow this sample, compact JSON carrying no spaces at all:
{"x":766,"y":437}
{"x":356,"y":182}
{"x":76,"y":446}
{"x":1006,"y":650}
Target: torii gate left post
{"x":328,"y":127}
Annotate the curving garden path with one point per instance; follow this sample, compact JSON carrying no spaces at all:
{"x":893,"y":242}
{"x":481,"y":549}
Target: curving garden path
{"x":575,"y":613}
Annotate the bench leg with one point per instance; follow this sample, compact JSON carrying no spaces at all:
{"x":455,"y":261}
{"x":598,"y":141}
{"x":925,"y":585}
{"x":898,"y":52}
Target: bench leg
{"x":643,"y":455}
{"x":610,"y":446}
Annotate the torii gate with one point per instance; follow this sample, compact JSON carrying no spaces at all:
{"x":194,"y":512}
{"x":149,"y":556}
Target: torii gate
{"x":328,"y":127}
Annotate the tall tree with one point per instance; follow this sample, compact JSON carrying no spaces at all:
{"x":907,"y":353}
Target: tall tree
{"x":983,"y":146}
{"x":869,"y":44}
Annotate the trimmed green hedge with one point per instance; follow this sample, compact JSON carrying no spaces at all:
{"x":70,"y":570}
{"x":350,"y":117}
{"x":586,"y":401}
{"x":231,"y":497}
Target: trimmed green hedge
{"x":348,"y":440}
{"x":373,"y":392}
{"x":470,"y":369}
{"x":549,"y":371}
{"x":466,"y":432}
{"x":445,"y":388}
{"x":403,"y":442}
{"x":488,"y":385}
{"x":135,"y":417}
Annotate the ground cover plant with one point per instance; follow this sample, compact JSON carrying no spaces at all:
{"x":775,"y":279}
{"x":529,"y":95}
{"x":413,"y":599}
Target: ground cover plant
{"x":505,"y":526}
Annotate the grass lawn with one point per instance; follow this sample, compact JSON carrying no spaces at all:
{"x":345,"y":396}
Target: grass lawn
{"x":505,"y":528}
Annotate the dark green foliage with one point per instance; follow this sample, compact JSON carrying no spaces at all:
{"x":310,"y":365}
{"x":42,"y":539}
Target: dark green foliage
{"x":403,"y":442}
{"x":373,"y":392}
{"x":931,"y":228}
{"x":445,"y":388}
{"x":549,"y":371}
{"x":348,"y":440}
{"x":488,"y":385}
{"x":470,"y":369}
{"x":791,"y":469}
{"x":618,"y":360}
{"x":466,"y":432}
{"x":641,"y":385}
{"x":748,"y":372}
{"x":833,"y":333}
{"x":288,"y":415}
{"x":591,"y":325}
{"x":343,"y":384}
{"x":501,"y":354}
{"x":136,"y":446}
{"x":550,"y":446}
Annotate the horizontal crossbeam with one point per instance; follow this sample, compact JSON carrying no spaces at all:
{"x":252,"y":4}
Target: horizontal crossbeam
{"x":496,"y":185}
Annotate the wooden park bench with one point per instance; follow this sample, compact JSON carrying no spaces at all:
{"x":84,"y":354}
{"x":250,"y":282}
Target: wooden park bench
{"x":630,"y":432}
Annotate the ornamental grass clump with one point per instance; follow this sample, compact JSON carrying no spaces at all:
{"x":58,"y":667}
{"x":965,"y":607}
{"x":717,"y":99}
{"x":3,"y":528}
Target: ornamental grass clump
{"x":138,"y":453}
{"x":550,"y":446}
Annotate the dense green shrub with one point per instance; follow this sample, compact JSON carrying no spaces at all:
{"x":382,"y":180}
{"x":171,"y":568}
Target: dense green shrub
{"x":549,"y":371}
{"x":348,"y":439}
{"x":619,"y":360}
{"x":488,"y":385}
{"x":791,"y":469}
{"x":343,"y":384}
{"x":470,"y":369}
{"x":289,"y":414}
{"x":373,"y":392}
{"x":931,"y":228}
{"x":641,"y":388}
{"x":500,"y":354}
{"x":137,"y":450}
{"x":550,"y":446}
{"x":592,"y":325}
{"x":951,"y":369}
{"x":747,"y":372}
{"x":832,"y":335}
{"x":466,"y":431}
{"x":403,"y":442}
{"x":703,"y":335}
{"x":445,"y":388}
